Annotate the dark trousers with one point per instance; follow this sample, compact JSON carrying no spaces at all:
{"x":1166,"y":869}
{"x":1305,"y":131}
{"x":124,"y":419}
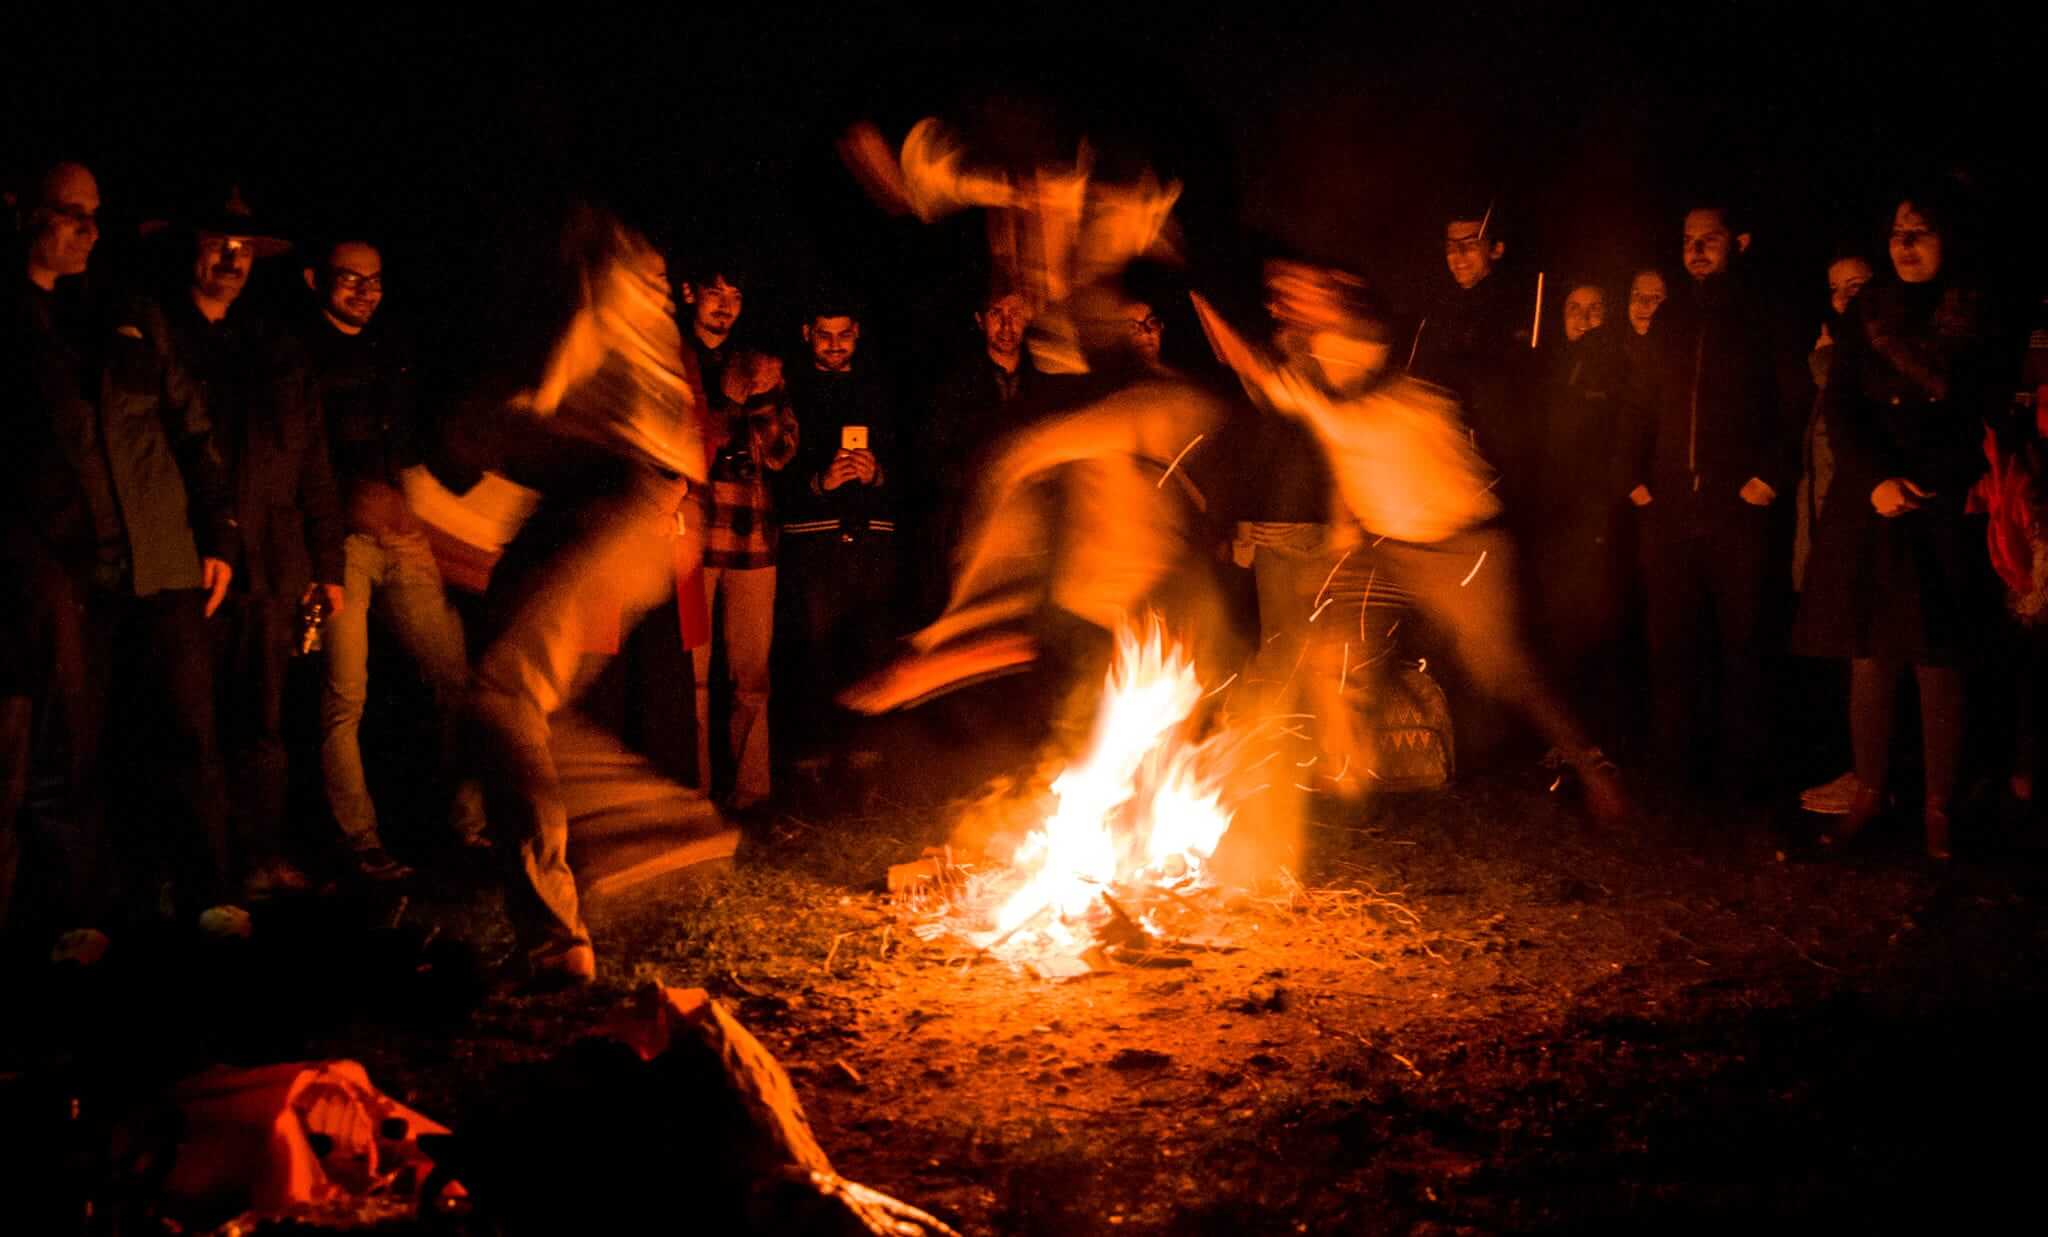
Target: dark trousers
{"x":87,"y":657}
{"x":838,"y":603}
{"x":1704,"y":589}
{"x":254,"y":638}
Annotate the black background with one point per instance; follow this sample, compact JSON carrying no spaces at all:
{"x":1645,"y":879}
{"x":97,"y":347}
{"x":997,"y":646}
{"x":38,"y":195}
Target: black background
{"x":455,"y":134}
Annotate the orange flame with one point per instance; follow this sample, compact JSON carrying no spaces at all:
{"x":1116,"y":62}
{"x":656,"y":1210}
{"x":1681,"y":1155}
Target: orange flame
{"x":1142,"y":808}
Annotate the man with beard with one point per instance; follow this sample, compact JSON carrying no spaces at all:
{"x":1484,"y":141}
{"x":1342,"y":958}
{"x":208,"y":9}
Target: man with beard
{"x":754,"y":434}
{"x":838,"y":511}
{"x":367,"y":393}
{"x":980,"y":398}
{"x":1718,"y":452}
{"x":273,"y":437}
{"x":119,"y":535}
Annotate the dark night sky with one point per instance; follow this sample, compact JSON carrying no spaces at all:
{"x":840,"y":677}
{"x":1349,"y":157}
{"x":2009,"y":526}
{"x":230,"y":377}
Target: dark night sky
{"x":1339,"y":134}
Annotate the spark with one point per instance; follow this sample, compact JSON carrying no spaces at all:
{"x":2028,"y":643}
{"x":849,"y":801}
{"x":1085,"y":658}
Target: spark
{"x":1418,"y":342}
{"x":1176,"y":461}
{"x":1333,"y":575}
{"x":1344,"y":675}
{"x":1346,"y":768}
{"x":1475,"y":570}
{"x":1319,"y":609}
{"x":1303,"y":764}
{"x":1375,"y":774}
{"x":1309,"y":789}
{"x":1391,"y":630}
{"x":1220,"y":686}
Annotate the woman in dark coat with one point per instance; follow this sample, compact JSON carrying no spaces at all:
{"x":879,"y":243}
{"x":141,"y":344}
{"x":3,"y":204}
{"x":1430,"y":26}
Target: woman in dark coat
{"x":1897,"y":573}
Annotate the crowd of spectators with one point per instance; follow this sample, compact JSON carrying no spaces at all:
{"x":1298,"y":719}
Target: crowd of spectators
{"x":197,"y":490}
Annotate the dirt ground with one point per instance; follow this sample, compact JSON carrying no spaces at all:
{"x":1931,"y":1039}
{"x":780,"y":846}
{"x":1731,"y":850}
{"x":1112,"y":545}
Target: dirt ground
{"x":1469,"y":1011}
{"x":1473,"y":1012}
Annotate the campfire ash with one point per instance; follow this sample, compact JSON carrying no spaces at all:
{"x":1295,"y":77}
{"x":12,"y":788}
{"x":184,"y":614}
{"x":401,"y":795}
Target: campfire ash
{"x":1133,"y":824}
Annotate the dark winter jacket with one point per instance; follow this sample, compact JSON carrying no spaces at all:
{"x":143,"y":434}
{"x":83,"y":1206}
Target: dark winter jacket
{"x":1475,"y":341}
{"x":111,"y":464}
{"x":1908,"y":395}
{"x":825,"y":404}
{"x":271,"y":432}
{"x":1715,"y":387}
{"x":367,"y":395}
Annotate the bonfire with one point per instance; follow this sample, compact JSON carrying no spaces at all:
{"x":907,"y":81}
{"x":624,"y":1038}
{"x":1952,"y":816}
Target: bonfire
{"x":1134,"y":823}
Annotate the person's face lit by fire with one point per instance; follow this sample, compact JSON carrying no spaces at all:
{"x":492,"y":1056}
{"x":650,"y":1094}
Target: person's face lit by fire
{"x":1469,"y":251}
{"x":1645,"y":293}
{"x":1584,"y":310}
{"x":1846,"y":278}
{"x":351,"y":285}
{"x":1003,"y":322}
{"x":1709,"y":244}
{"x":717,"y":304}
{"x":1915,"y":245}
{"x":64,"y":226}
{"x":832,"y":341}
{"x":1147,"y":332}
{"x":221,"y":269}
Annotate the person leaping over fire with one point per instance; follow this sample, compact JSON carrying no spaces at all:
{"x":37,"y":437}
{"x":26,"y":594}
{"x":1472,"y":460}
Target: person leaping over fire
{"x":1423,"y":515}
{"x":612,"y":438}
{"x":1081,"y":523}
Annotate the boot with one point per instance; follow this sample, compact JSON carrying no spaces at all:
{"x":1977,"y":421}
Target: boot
{"x":1866,"y":807}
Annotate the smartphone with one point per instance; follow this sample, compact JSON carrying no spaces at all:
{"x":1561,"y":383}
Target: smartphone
{"x":853,"y":438}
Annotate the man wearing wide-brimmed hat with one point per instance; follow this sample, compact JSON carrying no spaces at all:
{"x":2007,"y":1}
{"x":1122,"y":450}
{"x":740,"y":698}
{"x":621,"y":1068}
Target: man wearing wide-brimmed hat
{"x":267,"y":418}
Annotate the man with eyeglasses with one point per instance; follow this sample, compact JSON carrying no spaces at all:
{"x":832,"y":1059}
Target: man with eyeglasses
{"x":1474,"y":337}
{"x":365,"y":376}
{"x":1148,"y":335}
{"x":1720,"y":449}
{"x":115,"y":542}
{"x":838,"y":504}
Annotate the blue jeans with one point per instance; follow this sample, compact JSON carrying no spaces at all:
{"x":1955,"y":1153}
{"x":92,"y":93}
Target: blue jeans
{"x":393,"y":575}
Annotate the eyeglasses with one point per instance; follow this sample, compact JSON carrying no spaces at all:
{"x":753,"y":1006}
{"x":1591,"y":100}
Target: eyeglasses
{"x":1148,"y":325}
{"x":356,"y":281}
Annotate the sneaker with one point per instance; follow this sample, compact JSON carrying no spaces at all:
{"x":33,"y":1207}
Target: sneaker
{"x":225,"y":922}
{"x":81,"y":947}
{"x":268,"y":880}
{"x":377,"y":864}
{"x":1832,"y":799}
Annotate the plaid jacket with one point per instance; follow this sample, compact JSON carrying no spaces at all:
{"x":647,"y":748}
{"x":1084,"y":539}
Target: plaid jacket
{"x":760,"y":437}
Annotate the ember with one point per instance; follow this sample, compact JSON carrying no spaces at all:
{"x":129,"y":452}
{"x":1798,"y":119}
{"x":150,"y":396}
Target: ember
{"x":1137,"y":818}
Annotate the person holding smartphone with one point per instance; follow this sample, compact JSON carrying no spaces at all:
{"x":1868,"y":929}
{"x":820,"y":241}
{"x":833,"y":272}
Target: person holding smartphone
{"x":839,"y":604}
